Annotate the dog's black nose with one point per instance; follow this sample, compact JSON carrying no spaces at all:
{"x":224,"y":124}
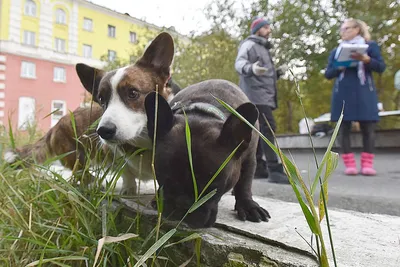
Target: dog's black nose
{"x":108,"y":131}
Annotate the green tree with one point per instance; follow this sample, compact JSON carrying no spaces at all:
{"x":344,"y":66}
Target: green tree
{"x":208,"y":56}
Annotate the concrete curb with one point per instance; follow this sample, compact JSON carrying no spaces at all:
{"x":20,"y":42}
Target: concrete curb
{"x":364,"y":240}
{"x":225,"y":247}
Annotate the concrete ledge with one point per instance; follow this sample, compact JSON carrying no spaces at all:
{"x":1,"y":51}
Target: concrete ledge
{"x":360,"y":240}
{"x":224,"y":246}
{"x":384,"y":139}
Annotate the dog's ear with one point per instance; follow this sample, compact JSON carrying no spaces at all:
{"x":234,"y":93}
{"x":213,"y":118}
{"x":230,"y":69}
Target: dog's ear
{"x":90,"y":78}
{"x":159,"y":54}
{"x":235,"y":130}
{"x":165,"y":117}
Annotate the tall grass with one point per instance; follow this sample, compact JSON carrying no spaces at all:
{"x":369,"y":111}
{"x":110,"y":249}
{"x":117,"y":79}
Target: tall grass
{"x":45,"y":219}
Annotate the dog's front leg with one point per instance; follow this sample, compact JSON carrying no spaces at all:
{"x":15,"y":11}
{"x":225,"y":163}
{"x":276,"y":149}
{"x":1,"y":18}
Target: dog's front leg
{"x":245,"y":206}
{"x":129,"y":186}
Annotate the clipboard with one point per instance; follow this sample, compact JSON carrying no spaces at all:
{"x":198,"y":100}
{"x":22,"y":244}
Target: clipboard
{"x":342,"y":56}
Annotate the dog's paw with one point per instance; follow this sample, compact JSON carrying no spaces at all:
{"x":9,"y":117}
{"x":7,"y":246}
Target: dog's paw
{"x":10,"y":157}
{"x":248,"y":209}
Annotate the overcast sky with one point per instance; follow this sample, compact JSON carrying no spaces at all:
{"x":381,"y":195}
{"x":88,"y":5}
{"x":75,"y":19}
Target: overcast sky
{"x":184,"y":15}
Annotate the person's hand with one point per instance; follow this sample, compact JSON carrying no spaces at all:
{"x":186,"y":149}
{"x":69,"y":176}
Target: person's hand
{"x":341,"y":68}
{"x":258,"y":70}
{"x":380,"y":106}
{"x":361,"y":57}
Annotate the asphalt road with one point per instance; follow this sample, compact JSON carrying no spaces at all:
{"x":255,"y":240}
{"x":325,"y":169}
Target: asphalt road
{"x":379,"y":194}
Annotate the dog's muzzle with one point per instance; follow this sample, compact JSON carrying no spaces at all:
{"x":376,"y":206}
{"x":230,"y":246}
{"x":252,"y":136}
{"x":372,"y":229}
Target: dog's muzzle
{"x":107,"y":131}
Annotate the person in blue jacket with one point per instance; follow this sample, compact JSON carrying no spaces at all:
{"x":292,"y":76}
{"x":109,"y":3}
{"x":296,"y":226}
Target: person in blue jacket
{"x":354,"y":89}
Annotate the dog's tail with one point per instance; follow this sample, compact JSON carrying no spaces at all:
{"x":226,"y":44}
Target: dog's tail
{"x":37,"y":152}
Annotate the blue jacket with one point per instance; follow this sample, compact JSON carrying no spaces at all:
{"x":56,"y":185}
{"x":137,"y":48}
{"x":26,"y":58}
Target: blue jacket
{"x":360,"y":101}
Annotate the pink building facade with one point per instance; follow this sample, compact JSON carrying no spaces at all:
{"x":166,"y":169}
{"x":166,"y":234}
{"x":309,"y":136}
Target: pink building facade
{"x":33,"y":88}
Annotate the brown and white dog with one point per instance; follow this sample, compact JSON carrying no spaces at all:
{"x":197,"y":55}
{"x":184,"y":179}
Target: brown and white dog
{"x":122,"y":125}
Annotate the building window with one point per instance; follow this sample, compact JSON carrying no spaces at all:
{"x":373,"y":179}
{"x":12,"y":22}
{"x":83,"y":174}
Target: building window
{"x":29,"y":38}
{"x":87,"y":24}
{"x":59,"y":45}
{"x":87,"y":51}
{"x":132,"y":37}
{"x":111,"y":31}
{"x":58,"y":110}
{"x":30,"y":8}
{"x":28,"y":70}
{"x":59,"y":74}
{"x":111,"y":55}
{"x":26,"y":112}
{"x":61,"y":17}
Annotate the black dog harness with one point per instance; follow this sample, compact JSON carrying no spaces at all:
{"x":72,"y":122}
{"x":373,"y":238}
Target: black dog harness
{"x":206,"y":108}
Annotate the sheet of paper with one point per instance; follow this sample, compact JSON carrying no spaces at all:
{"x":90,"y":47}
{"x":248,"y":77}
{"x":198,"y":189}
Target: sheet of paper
{"x":347,"y":49}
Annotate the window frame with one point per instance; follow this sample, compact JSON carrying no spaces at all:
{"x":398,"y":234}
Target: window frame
{"x":25,"y":73}
{"x":130,"y":37}
{"x":30,"y":5}
{"x":53,"y":120}
{"x":63,"y":21}
{"x":86,"y":19}
{"x":109,"y":53}
{"x":56,"y":77}
{"x":30,"y":34}
{"x":24,"y":122}
{"x":83,"y":50}
{"x":58,"y":41}
{"x":112,"y":31}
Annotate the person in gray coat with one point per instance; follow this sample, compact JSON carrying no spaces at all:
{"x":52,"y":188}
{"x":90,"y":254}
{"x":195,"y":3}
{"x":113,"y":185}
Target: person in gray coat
{"x":258,"y":81}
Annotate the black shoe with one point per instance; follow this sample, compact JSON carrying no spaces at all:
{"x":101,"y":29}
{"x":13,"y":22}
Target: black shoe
{"x":261,"y":171}
{"x":277,"y":175}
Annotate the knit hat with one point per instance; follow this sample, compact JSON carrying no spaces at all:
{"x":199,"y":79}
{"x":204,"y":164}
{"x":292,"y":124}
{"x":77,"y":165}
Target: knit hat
{"x":257,"y":24}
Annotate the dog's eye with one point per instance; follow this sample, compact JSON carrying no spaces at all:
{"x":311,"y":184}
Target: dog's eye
{"x":133,"y":94}
{"x":102,"y":101}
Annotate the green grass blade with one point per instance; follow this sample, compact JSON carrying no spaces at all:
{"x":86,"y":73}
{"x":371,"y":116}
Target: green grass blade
{"x":202,"y":200}
{"x":292,"y":172}
{"x":160,"y":242}
{"x":191,"y":237}
{"x":66,"y":258}
{"x":226,"y":161}
{"x":59,"y":157}
{"x":73,"y":123}
{"x":197,"y":249}
{"x":189,"y":148}
{"x":11,"y":134}
{"x":328,"y":149}
{"x":332,"y":161}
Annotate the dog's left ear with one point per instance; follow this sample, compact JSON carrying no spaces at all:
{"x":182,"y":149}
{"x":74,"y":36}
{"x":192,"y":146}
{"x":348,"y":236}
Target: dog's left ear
{"x":165,"y":117}
{"x":159,"y":54}
{"x":90,"y":78}
{"x":235,"y":130}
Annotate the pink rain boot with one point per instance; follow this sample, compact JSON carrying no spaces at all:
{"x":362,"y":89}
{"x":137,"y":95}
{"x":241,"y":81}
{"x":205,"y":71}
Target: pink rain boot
{"x":350,"y":163}
{"x":367,"y":162}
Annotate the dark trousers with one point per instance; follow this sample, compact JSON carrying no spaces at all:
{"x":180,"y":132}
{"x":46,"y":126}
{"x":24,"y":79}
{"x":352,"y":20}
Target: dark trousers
{"x":368,"y":135}
{"x":263,"y":148}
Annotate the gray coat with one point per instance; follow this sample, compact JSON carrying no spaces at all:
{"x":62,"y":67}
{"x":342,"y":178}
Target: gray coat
{"x":261,"y":90}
